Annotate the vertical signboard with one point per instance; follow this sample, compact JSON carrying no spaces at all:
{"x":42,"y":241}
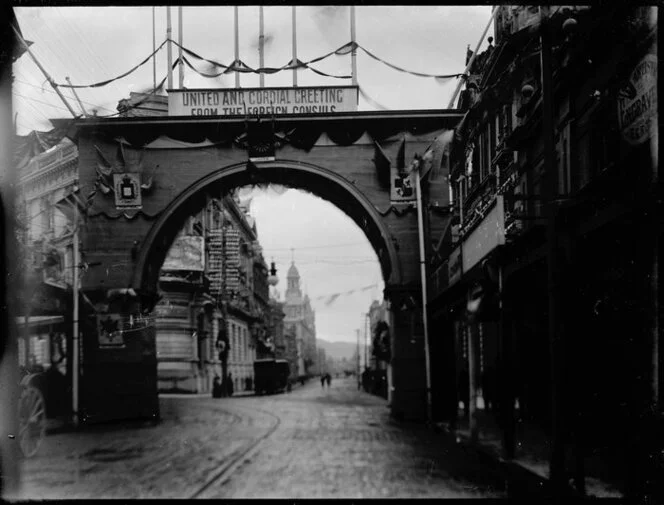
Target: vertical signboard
{"x":637,"y":102}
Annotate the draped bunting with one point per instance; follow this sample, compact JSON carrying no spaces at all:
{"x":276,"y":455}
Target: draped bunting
{"x":104,"y":83}
{"x":331,"y":298}
{"x":418,"y":74}
{"x":242,"y":67}
{"x":370,"y":100}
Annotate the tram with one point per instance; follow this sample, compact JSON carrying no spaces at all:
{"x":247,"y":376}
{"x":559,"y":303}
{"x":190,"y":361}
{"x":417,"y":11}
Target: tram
{"x":114,"y":378}
{"x":271,"y":376}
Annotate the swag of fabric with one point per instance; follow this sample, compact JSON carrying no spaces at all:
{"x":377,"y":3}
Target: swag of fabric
{"x":240,"y":66}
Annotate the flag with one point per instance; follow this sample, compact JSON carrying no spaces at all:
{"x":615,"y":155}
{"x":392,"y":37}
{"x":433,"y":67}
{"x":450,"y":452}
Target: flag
{"x":437,"y":154}
{"x":331,"y":299}
{"x":382,"y":163}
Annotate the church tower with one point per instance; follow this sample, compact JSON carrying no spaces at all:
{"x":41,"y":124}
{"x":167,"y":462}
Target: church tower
{"x":293,"y":291}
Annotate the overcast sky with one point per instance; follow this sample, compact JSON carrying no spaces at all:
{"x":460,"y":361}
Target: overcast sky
{"x":93,"y":44}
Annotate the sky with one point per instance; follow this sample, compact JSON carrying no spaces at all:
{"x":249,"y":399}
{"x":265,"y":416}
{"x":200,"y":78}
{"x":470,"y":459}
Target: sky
{"x":94,"y":44}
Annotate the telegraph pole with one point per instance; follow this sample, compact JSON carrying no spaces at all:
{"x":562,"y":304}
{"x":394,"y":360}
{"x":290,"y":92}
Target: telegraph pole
{"x":170,"y":49}
{"x":359,"y":375}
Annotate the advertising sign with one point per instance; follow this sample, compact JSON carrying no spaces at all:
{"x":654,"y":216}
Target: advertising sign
{"x":186,"y":253}
{"x":637,"y":102}
{"x":488,"y":235}
{"x":259,"y":101}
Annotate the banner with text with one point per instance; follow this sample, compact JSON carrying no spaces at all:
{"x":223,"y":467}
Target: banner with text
{"x":258,"y":101}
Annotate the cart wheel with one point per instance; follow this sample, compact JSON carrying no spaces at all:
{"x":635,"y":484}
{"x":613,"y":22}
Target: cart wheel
{"x":32,"y":420}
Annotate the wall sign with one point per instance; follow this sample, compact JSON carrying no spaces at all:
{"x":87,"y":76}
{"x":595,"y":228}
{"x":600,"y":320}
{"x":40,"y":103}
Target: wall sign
{"x":262,"y":101}
{"x":637,"y":102}
{"x":186,"y":253}
{"x":488,"y":235}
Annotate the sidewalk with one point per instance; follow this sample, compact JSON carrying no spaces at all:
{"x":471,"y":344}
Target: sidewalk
{"x":529,"y":469}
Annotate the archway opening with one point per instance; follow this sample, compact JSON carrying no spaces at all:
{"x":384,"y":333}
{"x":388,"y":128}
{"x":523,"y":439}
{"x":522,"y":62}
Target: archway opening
{"x":233,"y":330}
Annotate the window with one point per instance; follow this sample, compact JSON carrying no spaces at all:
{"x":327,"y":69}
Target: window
{"x":59,"y":222}
{"x":46,"y":215}
{"x":34,"y":224}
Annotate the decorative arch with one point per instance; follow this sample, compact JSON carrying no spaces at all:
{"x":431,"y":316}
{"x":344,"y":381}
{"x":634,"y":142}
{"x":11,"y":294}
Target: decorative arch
{"x":312,"y":178}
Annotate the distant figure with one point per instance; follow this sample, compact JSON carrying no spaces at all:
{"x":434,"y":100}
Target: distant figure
{"x":230,"y":384}
{"x":328,"y":379}
{"x":323,"y":377}
{"x":216,"y":387}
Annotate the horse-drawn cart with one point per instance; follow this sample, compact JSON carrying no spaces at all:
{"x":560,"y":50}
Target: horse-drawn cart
{"x":45,"y":372}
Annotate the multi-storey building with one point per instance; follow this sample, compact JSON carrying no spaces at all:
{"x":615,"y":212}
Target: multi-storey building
{"x":543,"y":297}
{"x":380,"y":351}
{"x":283,"y":336}
{"x":301,"y":321}
{"x":46,"y":224}
{"x":214,"y":282}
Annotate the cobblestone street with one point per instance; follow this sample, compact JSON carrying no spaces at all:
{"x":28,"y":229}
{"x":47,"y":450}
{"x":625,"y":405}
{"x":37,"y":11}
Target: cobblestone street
{"x":310,"y":443}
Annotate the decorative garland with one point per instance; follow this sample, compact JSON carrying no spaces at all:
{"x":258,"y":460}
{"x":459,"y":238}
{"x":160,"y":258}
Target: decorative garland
{"x":104,"y":83}
{"x":240,"y":66}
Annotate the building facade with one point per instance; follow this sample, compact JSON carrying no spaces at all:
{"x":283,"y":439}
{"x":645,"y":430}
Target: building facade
{"x":543,"y":301}
{"x":212,"y":317}
{"x":46,"y":230}
{"x":300,"y":320}
{"x":380,"y":348}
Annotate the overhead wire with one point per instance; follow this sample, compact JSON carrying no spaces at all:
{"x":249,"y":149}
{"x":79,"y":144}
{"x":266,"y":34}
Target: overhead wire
{"x":66,"y":96}
{"x":84,"y":43}
{"x":40,"y":101}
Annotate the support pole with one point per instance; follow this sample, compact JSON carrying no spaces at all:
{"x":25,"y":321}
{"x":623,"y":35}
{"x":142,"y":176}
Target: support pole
{"x":261,"y":45}
{"x":472,"y":381}
{"x":423,"y":278}
{"x":472,"y":59}
{"x":557,"y":455}
{"x":43,"y":71}
{"x":353,"y":54}
{"x":180,"y":60}
{"x":75,"y":327}
{"x":154,"y":48}
{"x":77,"y":99}
{"x":294,"y":45}
{"x":169,"y":66}
{"x":236,"y":16}
{"x":359,"y":375}
{"x":366,"y":342}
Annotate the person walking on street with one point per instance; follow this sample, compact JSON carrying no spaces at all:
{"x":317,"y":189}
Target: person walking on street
{"x":328,"y":379}
{"x":230,"y":384}
{"x":322,"y":380}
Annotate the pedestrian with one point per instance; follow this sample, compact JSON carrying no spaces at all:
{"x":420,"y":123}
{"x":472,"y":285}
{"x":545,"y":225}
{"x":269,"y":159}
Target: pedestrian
{"x":230,"y":384}
{"x":322,"y":380}
{"x":328,"y":379}
{"x":216,"y":387}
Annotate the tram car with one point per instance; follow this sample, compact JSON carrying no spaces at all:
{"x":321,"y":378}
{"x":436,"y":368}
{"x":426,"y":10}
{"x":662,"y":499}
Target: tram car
{"x":116,"y":371}
{"x":271,"y":376}
{"x":45,"y":385}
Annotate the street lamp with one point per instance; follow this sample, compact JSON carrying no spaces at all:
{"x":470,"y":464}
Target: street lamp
{"x":272,"y":279}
